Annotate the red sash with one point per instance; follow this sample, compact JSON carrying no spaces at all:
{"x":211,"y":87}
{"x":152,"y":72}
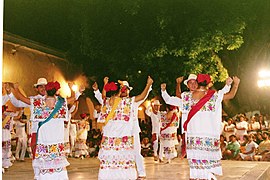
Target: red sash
{"x":174,"y":117}
{"x":198,"y":106}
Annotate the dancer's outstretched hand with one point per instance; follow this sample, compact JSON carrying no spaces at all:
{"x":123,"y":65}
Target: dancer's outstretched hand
{"x":95,"y":86}
{"x":229,"y":81}
{"x":163,"y":86}
{"x":150,"y":80}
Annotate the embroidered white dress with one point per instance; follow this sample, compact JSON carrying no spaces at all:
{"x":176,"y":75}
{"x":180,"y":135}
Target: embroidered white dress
{"x":50,"y":152}
{"x":203,"y":133}
{"x":80,"y":145}
{"x":168,"y":136}
{"x":117,"y":157}
{"x":203,"y":136}
{"x":6,"y":141}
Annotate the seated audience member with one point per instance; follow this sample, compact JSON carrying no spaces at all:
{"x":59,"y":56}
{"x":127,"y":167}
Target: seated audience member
{"x":232,"y":149}
{"x":258,"y":138}
{"x":146,"y":147}
{"x":244,"y":142}
{"x":92,"y":150}
{"x":253,"y":126}
{"x":264,"y":148}
{"x":229,"y":129}
{"x":223,"y":144}
{"x":263,"y":124}
{"x":247,"y":153}
{"x":241,"y":127}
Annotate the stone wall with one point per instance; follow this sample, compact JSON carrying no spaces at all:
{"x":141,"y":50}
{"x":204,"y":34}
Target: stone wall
{"x":24,"y":61}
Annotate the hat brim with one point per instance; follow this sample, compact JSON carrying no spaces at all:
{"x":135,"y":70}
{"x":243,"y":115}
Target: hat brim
{"x":35,"y":85}
{"x":186,"y":81}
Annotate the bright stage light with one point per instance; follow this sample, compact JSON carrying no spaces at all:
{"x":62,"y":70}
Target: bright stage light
{"x":264,"y":83}
{"x":264,"y":74}
{"x":74,"y":88}
{"x":264,"y":80}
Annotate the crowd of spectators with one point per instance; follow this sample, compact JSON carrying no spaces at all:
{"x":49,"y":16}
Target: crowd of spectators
{"x":245,"y":138}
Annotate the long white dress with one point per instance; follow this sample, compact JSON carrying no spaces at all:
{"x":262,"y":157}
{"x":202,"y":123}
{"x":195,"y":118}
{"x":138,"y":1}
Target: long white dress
{"x":50,"y":151}
{"x":203,"y":133}
{"x":117,"y":157}
{"x":168,"y":136}
{"x":203,"y":137}
{"x":80,"y":145}
{"x":6,"y":141}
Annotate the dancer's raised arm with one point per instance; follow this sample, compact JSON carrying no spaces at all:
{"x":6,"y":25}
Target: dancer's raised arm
{"x":145,"y":91}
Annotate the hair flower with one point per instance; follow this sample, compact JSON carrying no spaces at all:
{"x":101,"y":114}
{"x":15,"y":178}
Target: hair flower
{"x":110,"y":87}
{"x":203,"y":77}
{"x":52,"y":85}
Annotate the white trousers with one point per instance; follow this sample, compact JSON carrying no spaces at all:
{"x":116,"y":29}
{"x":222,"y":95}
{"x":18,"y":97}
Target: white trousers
{"x":138,"y":156}
{"x":72,"y":143}
{"x":21,"y":146}
{"x":155,"y":145}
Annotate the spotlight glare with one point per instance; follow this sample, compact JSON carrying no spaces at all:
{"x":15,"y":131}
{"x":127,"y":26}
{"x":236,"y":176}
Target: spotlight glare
{"x":264,"y":74}
{"x":263,"y":83}
{"x":74,"y":88}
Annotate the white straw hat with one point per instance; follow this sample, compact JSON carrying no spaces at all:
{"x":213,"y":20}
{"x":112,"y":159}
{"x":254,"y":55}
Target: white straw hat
{"x":190,"y":77}
{"x":41,"y":81}
{"x":156,"y":102}
{"x":125,"y":83}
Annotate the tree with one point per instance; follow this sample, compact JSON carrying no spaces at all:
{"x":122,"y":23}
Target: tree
{"x":163,"y":39}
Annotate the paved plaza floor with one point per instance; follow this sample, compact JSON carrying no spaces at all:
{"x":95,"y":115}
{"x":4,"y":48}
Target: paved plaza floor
{"x":177,"y":170}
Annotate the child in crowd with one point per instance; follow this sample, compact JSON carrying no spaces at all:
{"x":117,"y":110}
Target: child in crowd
{"x":146,"y":147}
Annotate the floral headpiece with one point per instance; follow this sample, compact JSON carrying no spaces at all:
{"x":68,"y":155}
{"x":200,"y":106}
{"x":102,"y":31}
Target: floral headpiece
{"x":110,"y":87}
{"x":203,"y":77}
{"x":52,"y":85}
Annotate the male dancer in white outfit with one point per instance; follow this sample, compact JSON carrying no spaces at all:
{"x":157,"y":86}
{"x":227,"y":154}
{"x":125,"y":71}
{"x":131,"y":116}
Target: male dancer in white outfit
{"x":40,"y":88}
{"x":136,"y":127}
{"x":155,"y":116}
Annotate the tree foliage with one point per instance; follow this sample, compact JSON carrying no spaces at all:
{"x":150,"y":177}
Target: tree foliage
{"x":164,"y":39}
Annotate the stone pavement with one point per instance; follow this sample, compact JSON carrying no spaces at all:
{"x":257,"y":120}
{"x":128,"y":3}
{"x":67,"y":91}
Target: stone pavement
{"x":178,"y":169}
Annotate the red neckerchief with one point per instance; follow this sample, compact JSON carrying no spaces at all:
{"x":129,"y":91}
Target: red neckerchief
{"x":174,"y":117}
{"x":198,"y":106}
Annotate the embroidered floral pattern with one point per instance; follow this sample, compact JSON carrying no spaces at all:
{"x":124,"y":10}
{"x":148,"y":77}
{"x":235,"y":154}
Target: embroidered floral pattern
{"x":189,"y":102}
{"x":6,"y":144}
{"x":168,"y":136}
{"x":7,"y":125}
{"x":173,"y":124}
{"x":203,"y":164}
{"x":49,"y":152}
{"x":50,"y":171}
{"x":117,"y":164}
{"x":122,"y":112}
{"x":41,"y":111}
{"x":203,"y":143}
{"x":115,"y":143}
{"x":168,"y":150}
